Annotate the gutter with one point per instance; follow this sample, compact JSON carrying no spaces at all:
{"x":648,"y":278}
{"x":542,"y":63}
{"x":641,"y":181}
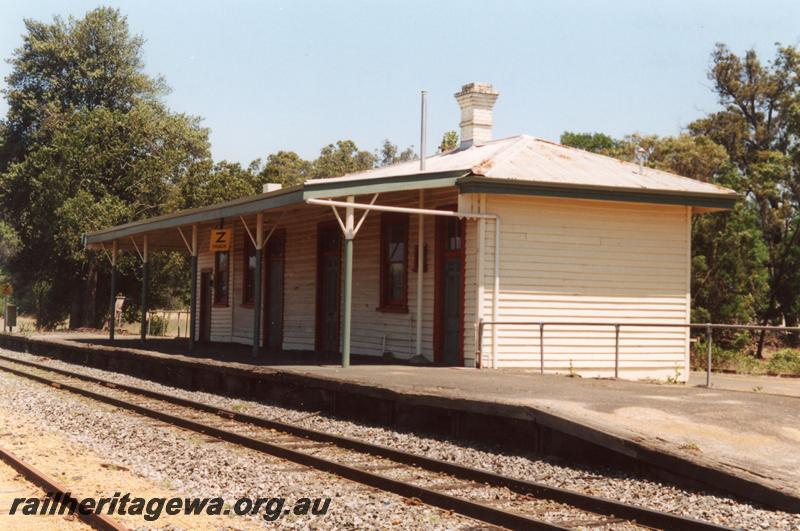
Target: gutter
{"x":479,"y":184}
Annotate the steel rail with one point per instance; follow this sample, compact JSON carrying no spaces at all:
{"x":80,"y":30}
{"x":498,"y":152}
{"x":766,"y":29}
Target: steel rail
{"x":477,"y":511}
{"x":58,"y":493}
{"x":585,"y":502}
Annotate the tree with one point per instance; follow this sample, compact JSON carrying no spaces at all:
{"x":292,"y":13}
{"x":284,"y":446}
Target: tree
{"x":206,"y":183}
{"x":286,"y":168}
{"x":87,"y":144}
{"x":759,"y":126}
{"x":594,"y":142}
{"x":389,"y":155}
{"x":449,"y":141}
{"x":343,"y":157}
{"x":78,"y":64}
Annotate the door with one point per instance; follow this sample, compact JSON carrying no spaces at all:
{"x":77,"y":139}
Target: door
{"x":273,"y":291}
{"x":449,"y":292}
{"x":329,"y":247}
{"x":205,"y":305}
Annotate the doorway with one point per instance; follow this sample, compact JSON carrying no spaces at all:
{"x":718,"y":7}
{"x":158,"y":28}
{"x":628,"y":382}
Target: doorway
{"x":273,"y":291}
{"x":449,"y":291}
{"x":205,"y":305}
{"x":329,"y":254}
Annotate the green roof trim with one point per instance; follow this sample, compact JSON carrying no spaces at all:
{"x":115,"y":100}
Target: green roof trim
{"x":485,"y":185}
{"x":394,"y":183}
{"x":237,"y":207}
{"x":466,"y":181}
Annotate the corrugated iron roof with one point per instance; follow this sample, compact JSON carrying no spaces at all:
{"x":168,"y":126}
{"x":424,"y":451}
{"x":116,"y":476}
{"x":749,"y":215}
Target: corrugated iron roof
{"x":528,"y":159}
{"x":516,"y":165}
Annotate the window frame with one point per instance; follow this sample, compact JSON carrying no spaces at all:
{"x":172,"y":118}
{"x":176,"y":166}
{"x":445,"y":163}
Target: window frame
{"x":386,"y":304}
{"x":219,"y":301}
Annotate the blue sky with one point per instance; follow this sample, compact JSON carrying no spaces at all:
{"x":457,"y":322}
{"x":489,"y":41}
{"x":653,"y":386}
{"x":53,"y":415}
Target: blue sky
{"x":297,"y":75}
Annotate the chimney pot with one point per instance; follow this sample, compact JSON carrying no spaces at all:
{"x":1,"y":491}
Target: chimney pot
{"x":476,"y":101}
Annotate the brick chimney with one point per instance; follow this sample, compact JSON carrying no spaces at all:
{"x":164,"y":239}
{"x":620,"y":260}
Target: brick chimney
{"x":476,"y":101}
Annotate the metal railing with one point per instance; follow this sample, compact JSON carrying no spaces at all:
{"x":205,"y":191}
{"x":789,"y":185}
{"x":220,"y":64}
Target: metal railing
{"x":167,"y":316}
{"x":709,"y":328}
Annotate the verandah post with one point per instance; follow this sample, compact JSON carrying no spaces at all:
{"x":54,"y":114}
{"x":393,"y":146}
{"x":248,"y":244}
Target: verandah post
{"x":112,"y":321}
{"x":257,"y":284}
{"x":145,"y":279}
{"x":348,"y":283}
{"x":709,"y":340}
{"x":193,"y":290}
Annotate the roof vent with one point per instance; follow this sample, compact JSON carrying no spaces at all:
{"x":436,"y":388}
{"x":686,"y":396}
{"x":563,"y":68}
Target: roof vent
{"x":271,"y":187}
{"x":476,"y":101}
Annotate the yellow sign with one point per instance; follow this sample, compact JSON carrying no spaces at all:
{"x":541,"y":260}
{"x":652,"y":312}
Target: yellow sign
{"x":221,"y":240}
{"x":6,"y":290}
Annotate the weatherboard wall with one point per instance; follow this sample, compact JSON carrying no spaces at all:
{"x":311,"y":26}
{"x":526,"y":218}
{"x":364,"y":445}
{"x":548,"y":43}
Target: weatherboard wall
{"x":374,"y":332}
{"x":590,"y":261}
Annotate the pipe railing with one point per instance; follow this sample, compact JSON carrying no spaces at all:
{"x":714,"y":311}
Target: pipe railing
{"x":617,"y":326}
{"x":167,"y":316}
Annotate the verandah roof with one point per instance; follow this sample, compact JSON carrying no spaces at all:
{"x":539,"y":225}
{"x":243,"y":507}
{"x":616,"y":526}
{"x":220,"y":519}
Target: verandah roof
{"x":521,"y":165}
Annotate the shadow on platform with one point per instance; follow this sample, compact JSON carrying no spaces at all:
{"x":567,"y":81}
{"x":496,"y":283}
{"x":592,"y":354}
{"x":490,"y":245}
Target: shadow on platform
{"x":232,"y":352}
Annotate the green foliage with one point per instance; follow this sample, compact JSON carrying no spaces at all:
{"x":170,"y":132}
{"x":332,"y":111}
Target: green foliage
{"x":9,"y":244}
{"x":206,"y":183}
{"x":287,"y":168}
{"x":158,"y":325}
{"x":594,"y":142}
{"x":343,"y":157}
{"x":449,"y":141}
{"x":77,"y":64}
{"x":88,"y":144}
{"x":724,"y":359}
{"x":389,"y":155}
{"x":759,"y":127}
{"x":785,"y":361}
{"x":729,"y":277}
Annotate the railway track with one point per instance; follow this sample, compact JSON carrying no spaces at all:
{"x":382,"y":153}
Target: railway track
{"x":58,"y":493}
{"x":485,"y":496}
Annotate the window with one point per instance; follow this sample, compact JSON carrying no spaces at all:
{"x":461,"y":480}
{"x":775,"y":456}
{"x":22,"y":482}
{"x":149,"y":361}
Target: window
{"x":394,"y":247}
{"x":221,"y":261}
{"x":249,"y":285}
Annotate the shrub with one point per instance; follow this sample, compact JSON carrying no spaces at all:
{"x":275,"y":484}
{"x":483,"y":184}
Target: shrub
{"x":785,"y":361}
{"x":724,"y":359}
{"x":158,"y":325}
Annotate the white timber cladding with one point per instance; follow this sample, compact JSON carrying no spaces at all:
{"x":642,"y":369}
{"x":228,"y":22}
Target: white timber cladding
{"x":562,"y":260}
{"x":589,"y":261}
{"x":221,"y":316}
{"x":372,"y":330}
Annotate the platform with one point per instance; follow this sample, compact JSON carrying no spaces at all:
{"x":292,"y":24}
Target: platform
{"x":743,"y":442}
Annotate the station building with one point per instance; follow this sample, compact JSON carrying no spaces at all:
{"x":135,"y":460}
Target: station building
{"x":517,"y":252}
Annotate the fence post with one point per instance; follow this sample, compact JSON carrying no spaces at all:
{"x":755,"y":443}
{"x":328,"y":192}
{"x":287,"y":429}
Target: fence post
{"x":616,"y":350}
{"x":708,"y":361}
{"x":541,"y":348}
{"x":479,"y":361}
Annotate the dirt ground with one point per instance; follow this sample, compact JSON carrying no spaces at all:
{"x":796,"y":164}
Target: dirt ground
{"x":86,"y":474}
{"x":12,"y":485}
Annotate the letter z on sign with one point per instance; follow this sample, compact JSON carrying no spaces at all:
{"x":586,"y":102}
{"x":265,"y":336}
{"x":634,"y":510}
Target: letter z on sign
{"x":221,"y":240}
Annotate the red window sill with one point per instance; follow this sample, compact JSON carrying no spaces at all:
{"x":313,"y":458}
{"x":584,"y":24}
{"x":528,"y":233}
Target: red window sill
{"x":248,"y":305}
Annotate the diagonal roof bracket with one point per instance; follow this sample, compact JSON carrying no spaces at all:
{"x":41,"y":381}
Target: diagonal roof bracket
{"x":137,"y":249}
{"x":189,"y":247}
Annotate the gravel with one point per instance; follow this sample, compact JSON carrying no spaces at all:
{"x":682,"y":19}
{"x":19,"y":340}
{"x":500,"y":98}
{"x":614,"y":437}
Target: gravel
{"x":598,"y":481}
{"x":193,"y":465}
